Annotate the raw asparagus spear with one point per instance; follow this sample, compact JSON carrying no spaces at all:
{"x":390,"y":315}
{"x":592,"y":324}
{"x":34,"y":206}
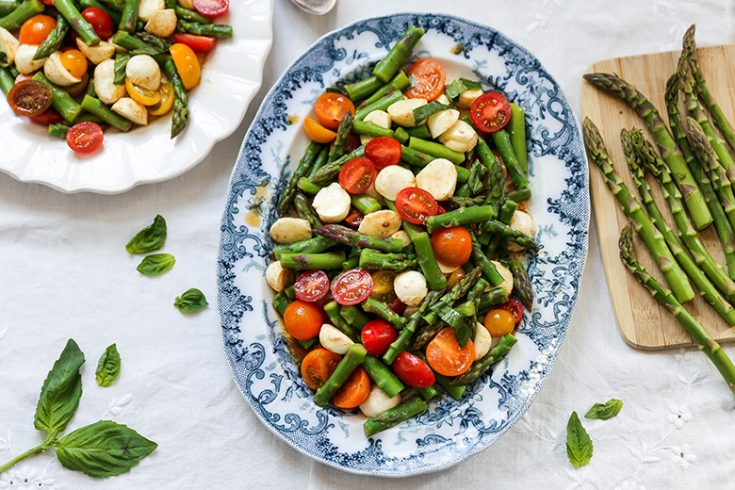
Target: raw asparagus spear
{"x":83,"y":28}
{"x":517,"y":128}
{"x":372,"y":305}
{"x":489,"y":271}
{"x":383,"y":376}
{"x":180,"y":114}
{"x":354,"y":357}
{"x":335,"y":316}
{"x":363,"y":89}
{"x":287,"y":197}
{"x":460,"y":217}
{"x":505,"y":148}
{"x":129,"y":17}
{"x":373,"y":260}
{"x":399,"y":82}
{"x":425,"y":256}
{"x":354,"y":316}
{"x":481,"y":366}
{"x":404,"y":337}
{"x":398,"y":54}
{"x":380,"y":104}
{"x":331,"y":169}
{"x":436,"y":150}
{"x":394,"y":416}
{"x":7,"y":80}
{"x":305,"y":261}
{"x":343,"y":131}
{"x":310,"y":246}
{"x":220,"y":31}
{"x":54,"y":39}
{"x":347,"y":236}
{"x":521,"y":283}
{"x":304,"y":210}
{"x":20,"y":14}
{"x":517,"y":237}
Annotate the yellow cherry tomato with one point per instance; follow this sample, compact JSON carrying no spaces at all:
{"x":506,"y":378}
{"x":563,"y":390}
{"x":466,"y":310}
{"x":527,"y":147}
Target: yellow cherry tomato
{"x":316,"y":132}
{"x":141,"y":95}
{"x":383,"y":285}
{"x":499,"y":322}
{"x":167,"y":101}
{"x":75,"y":62}
{"x":187,"y":64}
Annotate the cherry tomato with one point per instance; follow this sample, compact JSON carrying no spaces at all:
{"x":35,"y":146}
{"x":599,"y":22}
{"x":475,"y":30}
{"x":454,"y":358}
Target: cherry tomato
{"x":30,"y":98}
{"x":48,"y":2}
{"x":352,"y":287}
{"x":355,"y":390}
{"x":75,"y":62}
{"x":398,"y":306}
{"x":452,"y":246}
{"x":383,"y":285}
{"x":100,"y":21}
{"x":440,"y":209}
{"x":311,"y":286}
{"x":316,"y":132}
{"x":455,"y":276}
{"x":415,"y":205}
{"x":354,"y":218}
{"x":357,"y":175}
{"x":377,"y":335}
{"x":85,"y":137}
{"x":211,"y":8}
{"x":499,"y":322}
{"x":49,"y":116}
{"x":198,"y":44}
{"x":446,"y":357}
{"x":353,"y":143}
{"x":515,"y":307}
{"x":36,"y":29}
{"x":413,"y":371}
{"x":331,"y":107}
{"x":303,"y":320}
{"x":490,"y":112}
{"x":383,"y":151}
{"x":166,"y":102}
{"x":427,"y":79}
{"x":317,"y":366}
{"x":187,"y":64}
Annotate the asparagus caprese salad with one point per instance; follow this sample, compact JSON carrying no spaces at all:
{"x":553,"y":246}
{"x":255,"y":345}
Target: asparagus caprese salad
{"x":115,"y":63}
{"x":398,"y":260}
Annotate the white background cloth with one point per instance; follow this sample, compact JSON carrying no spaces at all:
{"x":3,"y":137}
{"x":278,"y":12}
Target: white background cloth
{"x":64,"y":273}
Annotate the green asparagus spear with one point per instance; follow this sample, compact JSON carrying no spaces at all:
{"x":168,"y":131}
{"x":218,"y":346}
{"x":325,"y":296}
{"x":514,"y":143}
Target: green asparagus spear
{"x":354,"y":316}
{"x":160,"y":44}
{"x":381,"y":104}
{"x":491,"y":297}
{"x":415,"y":158}
{"x":383,"y":376}
{"x":463,"y":286}
{"x":394,"y":416}
{"x":280,"y":303}
{"x":425,"y":256}
{"x":54,"y":39}
{"x":370,"y":129}
{"x":6,"y":80}
{"x":363,"y":89}
{"x":421,"y":131}
{"x":63,"y":102}
{"x":428,"y":393}
{"x":58,"y":130}
{"x":354,"y":357}
{"x":519,"y":195}
{"x":373,"y":260}
{"x":129,"y":16}
{"x":287,"y":197}
{"x":184,"y":13}
{"x":517,"y":128}
{"x":307,"y":185}
{"x":8,"y":6}
{"x":113,"y":13}
{"x":180,"y":114}
{"x":93,"y":105}
{"x":310,"y":246}
{"x":83,"y":28}
{"x":220,"y":31}
{"x":461,"y":319}
{"x":481,"y":366}
{"x":489,"y":271}
{"x":522,"y":283}
{"x":331,"y":169}
{"x":338,"y":149}
{"x":372,"y":305}
{"x":505,"y":148}
{"x":436,"y":150}
{"x":305,"y":211}
{"x":121,"y":62}
{"x":404,"y":336}
{"x":504,"y":216}
{"x":399,"y":82}
{"x":398,"y":54}
{"x":333,"y":312}
{"x":20,"y":14}
{"x":305,"y":261}
{"x":517,"y":237}
{"x":365,"y":204}
{"x":346,"y":236}
{"x":460,"y":217}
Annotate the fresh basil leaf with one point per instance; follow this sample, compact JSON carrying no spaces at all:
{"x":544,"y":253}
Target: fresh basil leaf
{"x":61,"y":391}
{"x":156,"y":264}
{"x":605,"y":411}
{"x":191,"y":301}
{"x":149,"y":238}
{"x":579,"y":444}
{"x":108,"y":367}
{"x":421,"y":113}
{"x":103,"y":449}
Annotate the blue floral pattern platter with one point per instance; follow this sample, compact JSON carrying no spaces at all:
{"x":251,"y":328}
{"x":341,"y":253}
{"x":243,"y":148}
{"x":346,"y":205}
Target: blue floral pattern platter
{"x":262,"y":365}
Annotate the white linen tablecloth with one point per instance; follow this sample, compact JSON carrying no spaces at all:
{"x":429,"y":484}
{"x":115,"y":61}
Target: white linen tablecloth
{"x":64,"y":273}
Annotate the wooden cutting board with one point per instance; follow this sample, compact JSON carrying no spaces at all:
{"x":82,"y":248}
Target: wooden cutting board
{"x":643,"y":323}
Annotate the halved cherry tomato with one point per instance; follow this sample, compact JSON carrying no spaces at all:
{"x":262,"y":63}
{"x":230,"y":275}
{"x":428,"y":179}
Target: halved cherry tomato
{"x":100,"y":21}
{"x":317,"y":366}
{"x":455,"y":276}
{"x":427,"y":79}
{"x":357,"y":175}
{"x":355,"y":390}
{"x":187,"y":64}
{"x":352,"y":287}
{"x":85,"y":137}
{"x":211,"y":8}
{"x":331,"y":107}
{"x":383,"y":285}
{"x":354,"y":218}
{"x":167,"y":100}
{"x":49,"y":116}
{"x":198,"y":44}
{"x":75,"y":62}
{"x":413,"y":371}
{"x":377,"y":335}
{"x":383,"y":151}
{"x":452,"y":246}
{"x":316,"y":132}
{"x":303,"y":320}
{"x":48,"y":2}
{"x":398,"y":306}
{"x":141,"y":95}
{"x":499,"y":322}
{"x":490,"y":112}
{"x":30,"y":98}
{"x":446,"y":357}
{"x":36,"y":29}
{"x":515,"y":307}
{"x":440,"y":209}
{"x":353,"y":142}
{"x":415,"y":205}
{"x":311,"y":286}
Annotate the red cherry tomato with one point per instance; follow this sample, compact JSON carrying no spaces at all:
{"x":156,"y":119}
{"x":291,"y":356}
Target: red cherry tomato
{"x":490,"y":112}
{"x":427,"y":79}
{"x":415,"y":205}
{"x":353,"y":143}
{"x":211,"y":8}
{"x":377,"y":335}
{"x":49,"y":116}
{"x":413,"y":371}
{"x":30,"y":98}
{"x":357,"y":175}
{"x":354,"y":218}
{"x":100,"y":21}
{"x":440,"y":209}
{"x":383,"y":151}
{"x":515,"y":307}
{"x":398,"y":306}
{"x":198,"y":44}
{"x":85,"y":137}
{"x":311,"y":286}
{"x":352,"y":287}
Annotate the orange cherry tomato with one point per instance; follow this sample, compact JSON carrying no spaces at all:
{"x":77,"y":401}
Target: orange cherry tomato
{"x":317,"y":366}
{"x":316,"y":132}
{"x":452,"y":246}
{"x":499,"y":322}
{"x":427,"y":79}
{"x":446,"y":357}
{"x":331,"y":107}
{"x":355,"y":390}
{"x":454,"y":277}
{"x":303,"y":320}
{"x":75,"y":62}
{"x":36,"y":29}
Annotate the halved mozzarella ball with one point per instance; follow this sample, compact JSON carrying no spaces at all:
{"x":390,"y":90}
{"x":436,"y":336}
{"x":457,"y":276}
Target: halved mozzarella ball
{"x":403,"y":237}
{"x":379,"y":118}
{"x":332,"y":203}
{"x":131,"y":110}
{"x":381,"y":223}
{"x":467,"y":97}
{"x":333,"y":339}
{"x":483,"y":341}
{"x":289,"y":230}
{"x":162,"y":23}
{"x":507,"y":283}
{"x":148,"y":7}
{"x":410,"y":287}
{"x":447,"y":269}
{"x":96,"y":54}
{"x":378,"y":402}
{"x":438,"y":178}
{"x":57,"y":73}
{"x":144,"y":72}
{"x":8,"y":46}
{"x":459,"y":137}
{"x":277,"y":277}
{"x":104,"y":86}
{"x":24,"y":61}
{"x":393,"y":179}
{"x":523,"y":222}
{"x":443,"y":99}
{"x":441,"y":121}
{"x":401,"y":112}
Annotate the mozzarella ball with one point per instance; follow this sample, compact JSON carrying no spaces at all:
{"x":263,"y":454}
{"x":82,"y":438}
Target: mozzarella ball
{"x":438,"y":178}
{"x":483,"y":341}
{"x":441,"y":121}
{"x":393,"y":179}
{"x":24,"y":61}
{"x":8,"y":45}
{"x":523,"y":222}
{"x":507,"y":283}
{"x":381,"y":223}
{"x":277,"y":277}
{"x":332,"y":203}
{"x":334,"y":340}
{"x":378,"y":402}
{"x":403,"y":237}
{"x":443,"y":99}
{"x":143,"y":71}
{"x":57,"y":73}
{"x":131,"y":110}
{"x":401,"y":112}
{"x":162,"y":23}
{"x":460,"y":137}
{"x":447,"y":269}
{"x":467,"y":97}
{"x":148,"y":7}
{"x":104,"y":86}
{"x":96,"y":54}
{"x":379,"y":118}
{"x":289,"y":230}
{"x":410,"y":287}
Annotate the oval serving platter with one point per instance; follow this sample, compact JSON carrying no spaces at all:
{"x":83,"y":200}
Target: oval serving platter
{"x":262,"y":365}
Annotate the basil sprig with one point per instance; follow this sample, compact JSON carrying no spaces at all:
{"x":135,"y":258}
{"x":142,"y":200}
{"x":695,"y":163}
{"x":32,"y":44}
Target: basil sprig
{"x":108,"y":367}
{"x":579,"y":444}
{"x":156,"y":264}
{"x":191,"y":301}
{"x":150,"y":238}
{"x":605,"y":411}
